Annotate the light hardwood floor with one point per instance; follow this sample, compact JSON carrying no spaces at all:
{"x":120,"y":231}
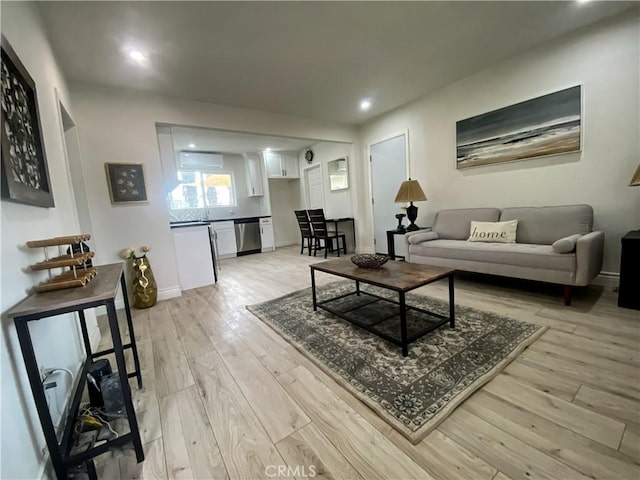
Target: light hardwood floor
{"x":226,"y":397}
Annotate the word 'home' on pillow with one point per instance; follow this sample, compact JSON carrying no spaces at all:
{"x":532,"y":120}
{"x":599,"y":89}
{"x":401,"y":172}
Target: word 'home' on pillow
{"x":501,"y":232}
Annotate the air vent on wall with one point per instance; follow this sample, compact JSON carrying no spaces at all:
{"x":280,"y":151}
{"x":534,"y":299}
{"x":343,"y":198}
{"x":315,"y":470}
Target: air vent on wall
{"x":191,"y":159}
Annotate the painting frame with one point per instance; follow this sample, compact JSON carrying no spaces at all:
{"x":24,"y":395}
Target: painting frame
{"x":338,"y":177}
{"x":126,"y":182}
{"x":543,"y":126}
{"x":24,"y":169}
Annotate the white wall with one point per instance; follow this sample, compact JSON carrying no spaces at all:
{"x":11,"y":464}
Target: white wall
{"x":56,"y":340}
{"x":604,"y":59}
{"x":117,"y":125}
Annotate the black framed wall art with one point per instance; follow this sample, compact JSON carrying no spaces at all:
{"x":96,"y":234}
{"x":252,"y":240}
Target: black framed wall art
{"x":126,"y":183}
{"x":25,"y":174}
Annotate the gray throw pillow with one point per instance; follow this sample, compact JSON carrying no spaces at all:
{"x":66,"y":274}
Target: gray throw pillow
{"x":566,"y":244}
{"x":422,"y":237}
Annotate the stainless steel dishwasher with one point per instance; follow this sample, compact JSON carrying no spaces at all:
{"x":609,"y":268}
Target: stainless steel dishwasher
{"x":248,"y":236}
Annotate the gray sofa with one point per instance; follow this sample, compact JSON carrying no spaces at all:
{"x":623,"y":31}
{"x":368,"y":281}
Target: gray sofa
{"x":534,"y":256}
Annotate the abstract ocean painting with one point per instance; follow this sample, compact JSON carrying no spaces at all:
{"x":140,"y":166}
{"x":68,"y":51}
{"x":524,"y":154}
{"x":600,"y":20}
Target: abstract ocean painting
{"x":545,"y":125}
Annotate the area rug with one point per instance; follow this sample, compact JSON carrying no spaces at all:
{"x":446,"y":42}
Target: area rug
{"x":415,"y":393}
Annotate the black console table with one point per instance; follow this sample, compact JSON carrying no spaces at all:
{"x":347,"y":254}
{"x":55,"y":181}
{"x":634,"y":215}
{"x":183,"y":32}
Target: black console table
{"x":629,"y":289}
{"x":100,"y":291}
{"x":350,"y":220}
{"x":391,"y":244}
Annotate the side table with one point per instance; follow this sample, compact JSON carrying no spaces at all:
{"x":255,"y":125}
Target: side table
{"x":629,"y":289}
{"x":100,"y":291}
{"x":391,"y":244}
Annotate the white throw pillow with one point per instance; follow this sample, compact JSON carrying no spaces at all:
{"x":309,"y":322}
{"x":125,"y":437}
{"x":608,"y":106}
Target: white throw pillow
{"x":501,"y":232}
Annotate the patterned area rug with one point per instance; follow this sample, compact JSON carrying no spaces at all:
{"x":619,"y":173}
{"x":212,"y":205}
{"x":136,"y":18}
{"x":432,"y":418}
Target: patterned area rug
{"x":415,"y":393}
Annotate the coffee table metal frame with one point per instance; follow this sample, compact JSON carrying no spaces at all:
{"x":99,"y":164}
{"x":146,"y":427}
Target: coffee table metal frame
{"x":404,"y":308}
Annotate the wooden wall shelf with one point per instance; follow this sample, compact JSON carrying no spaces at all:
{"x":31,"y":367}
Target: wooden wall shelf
{"x":64,"y":261}
{"x":56,"y":241}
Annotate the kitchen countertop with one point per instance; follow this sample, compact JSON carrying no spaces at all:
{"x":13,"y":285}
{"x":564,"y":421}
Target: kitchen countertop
{"x":197,"y":223}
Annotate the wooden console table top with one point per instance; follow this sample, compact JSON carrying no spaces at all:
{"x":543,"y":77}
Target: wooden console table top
{"x":104,"y":286}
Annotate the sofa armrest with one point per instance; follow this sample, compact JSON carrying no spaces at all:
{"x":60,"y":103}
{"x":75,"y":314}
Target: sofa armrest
{"x":420,"y":236}
{"x":413,"y":238}
{"x":589,"y":255}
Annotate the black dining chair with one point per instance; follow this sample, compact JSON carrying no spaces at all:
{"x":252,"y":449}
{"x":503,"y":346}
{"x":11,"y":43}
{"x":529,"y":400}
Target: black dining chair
{"x":305,"y":230}
{"x":322,"y":234}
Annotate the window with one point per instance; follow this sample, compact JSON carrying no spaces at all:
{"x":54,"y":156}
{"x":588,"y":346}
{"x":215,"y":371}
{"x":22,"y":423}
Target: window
{"x":201,"y":189}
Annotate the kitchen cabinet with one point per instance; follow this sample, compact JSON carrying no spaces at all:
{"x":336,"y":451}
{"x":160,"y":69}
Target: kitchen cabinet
{"x":225,"y":234}
{"x":281,"y":165}
{"x":254,"y":175}
{"x":266,"y":234}
{"x":194,"y":256}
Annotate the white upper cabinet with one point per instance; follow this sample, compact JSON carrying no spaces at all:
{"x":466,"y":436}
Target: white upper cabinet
{"x":254,"y":175}
{"x":281,"y":165}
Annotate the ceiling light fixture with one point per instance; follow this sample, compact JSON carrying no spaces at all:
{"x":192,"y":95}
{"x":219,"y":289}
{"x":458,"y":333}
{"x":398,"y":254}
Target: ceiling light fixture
{"x":268,"y":149}
{"x":192,"y":145}
{"x":137,"y":56}
{"x":583,"y":1}
{"x":365,"y":104}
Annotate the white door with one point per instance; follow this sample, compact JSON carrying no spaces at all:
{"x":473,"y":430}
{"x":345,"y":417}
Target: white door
{"x":388,"y":171}
{"x":313,"y":179}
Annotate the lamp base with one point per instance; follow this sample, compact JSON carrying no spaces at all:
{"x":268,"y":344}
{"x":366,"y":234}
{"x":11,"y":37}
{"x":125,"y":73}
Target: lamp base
{"x":412,"y":214}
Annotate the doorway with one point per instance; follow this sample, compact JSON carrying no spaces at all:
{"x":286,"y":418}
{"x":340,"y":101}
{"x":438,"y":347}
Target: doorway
{"x":389,"y":166}
{"x":74,"y":161}
{"x":313,"y":187}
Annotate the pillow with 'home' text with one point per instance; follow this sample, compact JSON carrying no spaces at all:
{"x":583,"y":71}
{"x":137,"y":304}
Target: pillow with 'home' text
{"x":502,"y":232}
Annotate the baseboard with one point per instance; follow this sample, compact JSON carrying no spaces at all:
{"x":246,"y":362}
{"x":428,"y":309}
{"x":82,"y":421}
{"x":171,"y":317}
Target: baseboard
{"x":96,"y":336}
{"x":607,"y":279}
{"x":171,"y":292}
{"x":286,"y":243}
{"x":164,"y":294}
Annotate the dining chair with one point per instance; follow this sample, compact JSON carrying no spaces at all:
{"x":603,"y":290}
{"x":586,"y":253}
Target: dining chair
{"x":322,"y":233}
{"x":305,"y":230}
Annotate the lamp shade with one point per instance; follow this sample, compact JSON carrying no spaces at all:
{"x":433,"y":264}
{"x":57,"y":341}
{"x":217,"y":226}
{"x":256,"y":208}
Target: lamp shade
{"x":635,"y":180}
{"x":410,"y":191}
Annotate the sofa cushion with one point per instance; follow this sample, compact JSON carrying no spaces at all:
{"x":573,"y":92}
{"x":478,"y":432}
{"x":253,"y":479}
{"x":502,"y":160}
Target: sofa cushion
{"x":566,"y":244}
{"x":501,"y":232}
{"x":518,"y":254}
{"x":545,"y":225}
{"x":455,"y":224}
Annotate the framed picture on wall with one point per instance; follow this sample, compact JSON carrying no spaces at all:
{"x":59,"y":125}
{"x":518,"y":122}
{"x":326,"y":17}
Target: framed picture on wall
{"x":542,"y":126}
{"x":25,"y":174}
{"x":126,"y":183}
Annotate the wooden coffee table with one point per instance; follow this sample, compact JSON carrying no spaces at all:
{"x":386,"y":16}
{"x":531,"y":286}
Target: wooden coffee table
{"x":399,"y":277}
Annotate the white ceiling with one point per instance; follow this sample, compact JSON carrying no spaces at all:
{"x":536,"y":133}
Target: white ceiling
{"x":312,"y":59}
{"x":221,"y":141}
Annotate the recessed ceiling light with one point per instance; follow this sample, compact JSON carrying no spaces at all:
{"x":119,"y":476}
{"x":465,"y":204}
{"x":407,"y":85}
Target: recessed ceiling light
{"x":137,"y":55}
{"x":192,"y":145}
{"x":365,"y":104}
{"x":583,"y":1}
{"x":267,"y":149}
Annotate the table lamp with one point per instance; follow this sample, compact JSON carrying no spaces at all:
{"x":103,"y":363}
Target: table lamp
{"x":635,"y":180}
{"x":410,"y":191}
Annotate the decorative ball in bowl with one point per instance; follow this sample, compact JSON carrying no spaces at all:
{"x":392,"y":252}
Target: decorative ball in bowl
{"x":366,"y":260}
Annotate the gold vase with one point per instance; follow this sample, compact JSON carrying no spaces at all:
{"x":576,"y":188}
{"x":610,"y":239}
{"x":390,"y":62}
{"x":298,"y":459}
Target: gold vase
{"x":145,"y":289}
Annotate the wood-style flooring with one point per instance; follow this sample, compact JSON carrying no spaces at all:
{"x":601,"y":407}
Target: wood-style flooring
{"x":226,"y":397}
